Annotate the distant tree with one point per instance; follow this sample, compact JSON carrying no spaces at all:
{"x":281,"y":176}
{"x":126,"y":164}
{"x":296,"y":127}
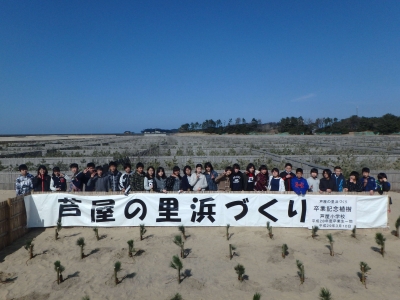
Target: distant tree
{"x":237,"y":121}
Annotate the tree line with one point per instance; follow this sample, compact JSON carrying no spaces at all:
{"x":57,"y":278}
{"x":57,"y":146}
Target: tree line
{"x":387,"y":124}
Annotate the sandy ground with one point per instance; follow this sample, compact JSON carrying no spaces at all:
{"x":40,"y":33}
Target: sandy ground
{"x":209,"y":274}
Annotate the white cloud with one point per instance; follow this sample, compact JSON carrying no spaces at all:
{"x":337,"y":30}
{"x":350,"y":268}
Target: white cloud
{"x":303,"y":98}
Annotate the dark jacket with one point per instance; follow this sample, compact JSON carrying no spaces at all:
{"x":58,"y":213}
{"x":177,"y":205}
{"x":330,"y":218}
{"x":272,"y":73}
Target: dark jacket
{"x":370,"y":186}
{"x":114,"y":178}
{"x":325,"y":184}
{"x":185,"y":186}
{"x":382,"y":187}
{"x":99,"y":184}
{"x":41,"y":185}
{"x":249,"y":182}
{"x":237,"y":181}
{"x":211,"y":185}
{"x":353,"y":187}
{"x":77,"y":181}
{"x":137,"y":182}
{"x":88,"y":187}
{"x":59,"y":183}
{"x":261,"y":182}
{"x":339,"y":182}
{"x":287,"y":181}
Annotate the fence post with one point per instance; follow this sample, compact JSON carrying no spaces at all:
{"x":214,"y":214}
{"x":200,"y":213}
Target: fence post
{"x":9,"y":205}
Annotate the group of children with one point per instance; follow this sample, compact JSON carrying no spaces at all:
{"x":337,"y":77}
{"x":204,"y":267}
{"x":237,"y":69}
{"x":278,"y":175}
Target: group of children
{"x":97,"y":179}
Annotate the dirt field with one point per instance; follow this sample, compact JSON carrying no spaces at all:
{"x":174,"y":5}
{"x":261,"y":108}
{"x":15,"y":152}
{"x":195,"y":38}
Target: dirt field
{"x":208,"y":272}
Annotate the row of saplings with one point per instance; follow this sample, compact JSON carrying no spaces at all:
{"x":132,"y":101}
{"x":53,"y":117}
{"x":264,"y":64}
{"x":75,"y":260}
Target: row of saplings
{"x":177,"y":264}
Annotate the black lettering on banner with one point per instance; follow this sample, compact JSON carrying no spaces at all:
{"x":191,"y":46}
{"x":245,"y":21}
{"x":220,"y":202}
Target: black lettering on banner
{"x":205,"y":210}
{"x":262,"y":209}
{"x":102,"y":210}
{"x":129,"y":215}
{"x":69,"y":210}
{"x":168,"y":207}
{"x":243,"y":204}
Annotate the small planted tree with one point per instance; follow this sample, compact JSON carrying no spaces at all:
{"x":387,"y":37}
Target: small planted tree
{"x":314,"y":231}
{"x":380,"y":240}
{"x":176,"y":264}
{"x":182,"y":230}
{"x":29,"y":247}
{"x":325,"y":294}
{"x":117,"y":268}
{"x":142,"y":231}
{"x":284,"y":250}
{"x":231,"y":249}
{"x":130,"y":248}
{"x":269,"y":227}
{"x":177,"y":296}
{"x":240,"y":271}
{"x":96,"y":233}
{"x":227,"y":231}
{"x":85,"y":298}
{"x":58,"y":228}
{"x":364,"y":268}
{"x":179,"y":242}
{"x":397,"y":225}
{"x":354,"y":232}
{"x":331,"y":241}
{"x":257,"y":296}
{"x":59,"y":269}
{"x":81,"y":243}
{"x":300,"y":267}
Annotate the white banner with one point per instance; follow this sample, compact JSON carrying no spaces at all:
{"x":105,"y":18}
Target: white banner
{"x":219,"y":209}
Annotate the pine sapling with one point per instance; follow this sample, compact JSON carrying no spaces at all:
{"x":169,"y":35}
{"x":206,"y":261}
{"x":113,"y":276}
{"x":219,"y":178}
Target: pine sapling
{"x":182,"y":230}
{"x":397,"y":225}
{"x":331,"y":241}
{"x":96,"y":233}
{"x":179,"y":242}
{"x":177,"y":296}
{"x":314,"y":230}
{"x":325,"y":294}
{"x":284,"y":250}
{"x":257,"y":296}
{"x":58,"y":228}
{"x":117,"y":268}
{"x":29,"y":247}
{"x":354,"y":232}
{"x":240,"y":271}
{"x":130,"y":249}
{"x":300,"y":266}
{"x":59,"y":269}
{"x":142,"y":231}
{"x":176,"y":264}
{"x":85,"y":298}
{"x":227,"y":231}
{"x":81,"y":243}
{"x":380,"y":240}
{"x":269,"y":227}
{"x":231,"y":249}
{"x":364,"y":269}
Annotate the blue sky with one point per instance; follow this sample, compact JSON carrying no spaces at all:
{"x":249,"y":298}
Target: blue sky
{"x":110,"y":66}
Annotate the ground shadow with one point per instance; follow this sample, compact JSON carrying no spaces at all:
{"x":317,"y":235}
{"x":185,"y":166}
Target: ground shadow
{"x":102,"y":237}
{"x":359,"y":275}
{"x":376,"y":249}
{"x":230,"y":235}
{"x":19,"y":243}
{"x":186,"y":274}
{"x":129,"y":276}
{"x":76,"y":274}
{"x":37,"y":254}
{"x":71,"y":235}
{"x":394,"y":232}
{"x":186,"y":252}
{"x":139,"y":252}
{"x":148,"y":236}
{"x":246,"y":277}
{"x":92,"y":252}
{"x":9,"y":280}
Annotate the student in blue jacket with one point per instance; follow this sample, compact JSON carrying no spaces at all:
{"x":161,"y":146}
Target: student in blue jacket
{"x":299,"y":184}
{"x":368,"y":183}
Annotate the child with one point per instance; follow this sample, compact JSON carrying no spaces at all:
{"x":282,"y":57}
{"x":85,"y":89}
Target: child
{"x":114,"y":176}
{"x":41,"y":182}
{"x":299,"y":184}
{"x":261,"y":179}
{"x":58,"y":181}
{"x":173,"y":182}
{"x":137,"y":178}
{"x":382,"y":185}
{"x":23,"y":183}
{"x":77,"y":178}
{"x":98,"y":182}
{"x":236,"y":179}
{"x":338,"y":178}
{"x":125,"y":180}
{"x":276,"y":183}
{"x":287,"y":176}
{"x":198,"y":179}
{"x":368,"y":182}
{"x":88,"y":172}
{"x":149,"y":181}
{"x":223,"y":180}
{"x":210,"y":177}
{"x":326,"y":184}
{"x":185,"y":186}
{"x":313,"y":181}
{"x":353,"y":184}
{"x":249,"y":177}
{"x":160,"y":180}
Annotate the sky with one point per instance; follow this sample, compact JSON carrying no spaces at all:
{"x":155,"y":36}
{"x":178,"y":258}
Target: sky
{"x":110,"y":66}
